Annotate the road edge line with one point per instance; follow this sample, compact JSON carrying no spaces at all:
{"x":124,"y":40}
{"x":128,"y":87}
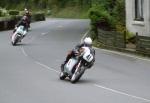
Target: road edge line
{"x":122,"y":93}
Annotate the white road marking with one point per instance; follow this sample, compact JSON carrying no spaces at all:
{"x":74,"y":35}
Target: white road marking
{"x":122,"y":93}
{"x":99,"y":86}
{"x":124,"y":54}
{"x":23,"y":51}
{"x":43,"y":34}
{"x":45,"y":66}
{"x":60,"y":26}
{"x":84,"y":36}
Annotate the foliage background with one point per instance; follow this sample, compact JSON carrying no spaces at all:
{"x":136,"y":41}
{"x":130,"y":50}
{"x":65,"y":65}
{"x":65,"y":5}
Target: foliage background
{"x":78,"y":7}
{"x":105,"y":14}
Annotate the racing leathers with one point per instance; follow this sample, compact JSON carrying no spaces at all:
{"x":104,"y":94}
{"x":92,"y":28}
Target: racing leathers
{"x":75,"y":52}
{"x":23,"y":23}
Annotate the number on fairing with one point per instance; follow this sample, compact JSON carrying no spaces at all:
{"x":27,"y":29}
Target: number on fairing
{"x":89,"y":58}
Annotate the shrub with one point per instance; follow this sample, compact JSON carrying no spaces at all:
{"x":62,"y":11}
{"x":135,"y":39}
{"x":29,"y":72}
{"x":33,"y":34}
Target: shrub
{"x":38,"y":16}
{"x":71,"y":12}
{"x":130,"y":37}
{"x":0,"y":13}
{"x":100,"y":17}
{"x":48,"y":12}
{"x":13,"y":12}
{"x":120,"y":27}
{"x":118,"y":11}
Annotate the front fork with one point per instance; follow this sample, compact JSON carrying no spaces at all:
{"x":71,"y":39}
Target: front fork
{"x":78,"y":66}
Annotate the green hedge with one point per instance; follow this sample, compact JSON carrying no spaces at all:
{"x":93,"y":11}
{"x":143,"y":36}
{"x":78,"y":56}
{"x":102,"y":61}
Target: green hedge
{"x":100,"y":17}
{"x":38,"y":17}
{"x":1,"y":25}
{"x":109,"y":15}
{"x":13,"y":12}
{"x":0,"y":13}
{"x":9,"y":22}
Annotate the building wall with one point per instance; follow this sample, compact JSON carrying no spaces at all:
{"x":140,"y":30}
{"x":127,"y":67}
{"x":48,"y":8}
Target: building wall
{"x":142,"y":27}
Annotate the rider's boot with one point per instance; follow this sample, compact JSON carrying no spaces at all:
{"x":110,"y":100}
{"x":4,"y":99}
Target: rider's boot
{"x":62,"y":67}
{"x":67,"y":59}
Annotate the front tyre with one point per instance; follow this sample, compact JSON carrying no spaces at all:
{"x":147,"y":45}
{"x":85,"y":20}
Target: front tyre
{"x":13,"y":43}
{"x":76,"y":76}
{"x":62,"y":76}
{"x":14,"y":40}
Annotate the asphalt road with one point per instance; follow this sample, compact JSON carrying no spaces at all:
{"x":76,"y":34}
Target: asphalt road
{"x":29,"y":71}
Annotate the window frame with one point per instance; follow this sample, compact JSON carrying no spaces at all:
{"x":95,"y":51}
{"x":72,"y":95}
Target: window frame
{"x":139,"y":10}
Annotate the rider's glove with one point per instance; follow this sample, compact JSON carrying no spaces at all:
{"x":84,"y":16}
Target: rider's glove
{"x":16,"y":28}
{"x":76,"y":52}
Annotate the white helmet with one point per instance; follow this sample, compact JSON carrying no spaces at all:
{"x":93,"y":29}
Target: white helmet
{"x":25,"y":9}
{"x":88,"y":41}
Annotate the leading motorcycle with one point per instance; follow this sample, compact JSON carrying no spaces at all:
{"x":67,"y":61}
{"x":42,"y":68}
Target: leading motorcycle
{"x":77,"y":65}
{"x":18,"y":35}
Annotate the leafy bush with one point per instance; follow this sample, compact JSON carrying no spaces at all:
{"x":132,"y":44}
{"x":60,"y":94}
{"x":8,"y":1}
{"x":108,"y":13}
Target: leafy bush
{"x":3,"y":12}
{"x":13,"y":12}
{"x":71,"y":12}
{"x":120,"y":27}
{"x":118,"y":11}
{"x":0,"y":13}
{"x":100,"y":17}
{"x":130,"y":37}
{"x":38,"y":16}
{"x":48,"y":12}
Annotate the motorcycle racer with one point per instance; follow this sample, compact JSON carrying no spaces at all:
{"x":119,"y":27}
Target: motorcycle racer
{"x":87,"y":42}
{"x":24,"y":23}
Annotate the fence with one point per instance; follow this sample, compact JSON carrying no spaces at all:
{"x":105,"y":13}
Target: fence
{"x":118,"y":41}
{"x":112,"y":38}
{"x":143,"y":44}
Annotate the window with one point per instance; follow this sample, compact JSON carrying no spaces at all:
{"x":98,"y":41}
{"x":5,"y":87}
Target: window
{"x":139,"y":10}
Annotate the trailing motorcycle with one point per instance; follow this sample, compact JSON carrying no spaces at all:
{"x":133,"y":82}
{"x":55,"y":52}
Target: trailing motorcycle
{"x":77,"y":65}
{"x":18,"y":35}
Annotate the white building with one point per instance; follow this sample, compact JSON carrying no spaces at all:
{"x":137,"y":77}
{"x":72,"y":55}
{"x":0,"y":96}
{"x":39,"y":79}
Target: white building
{"x":138,"y":16}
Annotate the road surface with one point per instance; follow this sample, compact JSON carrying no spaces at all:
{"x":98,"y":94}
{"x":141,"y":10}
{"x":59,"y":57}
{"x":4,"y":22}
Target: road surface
{"x":29,"y":72}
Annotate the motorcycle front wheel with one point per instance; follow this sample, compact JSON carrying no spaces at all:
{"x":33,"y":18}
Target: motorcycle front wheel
{"x":76,"y":76}
{"x":62,"y":76}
